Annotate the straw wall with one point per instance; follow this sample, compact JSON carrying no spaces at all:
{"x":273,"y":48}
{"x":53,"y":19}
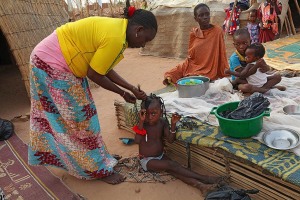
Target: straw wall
{"x":25,"y":23}
{"x":174,"y":26}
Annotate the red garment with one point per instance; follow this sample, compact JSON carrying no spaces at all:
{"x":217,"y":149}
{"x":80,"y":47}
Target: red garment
{"x":232,"y":25}
{"x":206,"y":56}
{"x":266,"y":35}
{"x":268,"y":16}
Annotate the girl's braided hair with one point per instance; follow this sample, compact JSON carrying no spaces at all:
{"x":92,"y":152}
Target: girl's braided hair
{"x":141,"y":17}
{"x":152,"y":98}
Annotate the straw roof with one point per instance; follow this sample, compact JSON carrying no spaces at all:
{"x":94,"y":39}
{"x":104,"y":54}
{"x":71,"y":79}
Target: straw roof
{"x":24,"y":23}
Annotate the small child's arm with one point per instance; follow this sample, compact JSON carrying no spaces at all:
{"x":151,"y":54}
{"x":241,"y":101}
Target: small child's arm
{"x":234,"y":73}
{"x":170,"y":132}
{"x":243,"y":74}
{"x":138,"y":138}
{"x":249,"y":70}
{"x":262,"y":65}
{"x":139,"y":129}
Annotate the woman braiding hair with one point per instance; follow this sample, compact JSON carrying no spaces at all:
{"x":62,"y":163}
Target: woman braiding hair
{"x":64,"y":125}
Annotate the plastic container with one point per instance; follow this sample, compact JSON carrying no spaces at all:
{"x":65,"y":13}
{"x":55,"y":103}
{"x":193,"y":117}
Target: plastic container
{"x":196,"y":90}
{"x":238,"y":128}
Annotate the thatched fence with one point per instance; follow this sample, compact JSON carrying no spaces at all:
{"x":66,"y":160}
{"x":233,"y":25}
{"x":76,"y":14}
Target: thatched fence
{"x":24,"y":23}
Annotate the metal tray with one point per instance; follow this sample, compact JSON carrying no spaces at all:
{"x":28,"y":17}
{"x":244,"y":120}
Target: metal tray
{"x":282,"y":139}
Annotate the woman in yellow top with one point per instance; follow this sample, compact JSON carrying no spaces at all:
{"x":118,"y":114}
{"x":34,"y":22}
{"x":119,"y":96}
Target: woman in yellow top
{"x":64,"y":125}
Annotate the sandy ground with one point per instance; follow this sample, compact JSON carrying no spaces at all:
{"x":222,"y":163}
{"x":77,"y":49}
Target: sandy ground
{"x":144,"y":70}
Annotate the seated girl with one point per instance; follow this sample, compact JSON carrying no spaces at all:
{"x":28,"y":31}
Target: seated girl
{"x":152,"y":129}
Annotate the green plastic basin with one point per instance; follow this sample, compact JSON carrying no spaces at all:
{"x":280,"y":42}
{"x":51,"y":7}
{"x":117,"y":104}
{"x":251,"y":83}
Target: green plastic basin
{"x":238,"y":128}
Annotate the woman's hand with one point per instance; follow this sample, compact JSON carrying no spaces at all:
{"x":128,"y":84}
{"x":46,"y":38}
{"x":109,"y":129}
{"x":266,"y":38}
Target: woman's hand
{"x":129,"y":97}
{"x":167,"y":81}
{"x":138,"y":93}
{"x":227,"y":71}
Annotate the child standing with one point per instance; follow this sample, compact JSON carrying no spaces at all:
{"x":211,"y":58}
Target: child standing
{"x":268,"y":16}
{"x":239,"y":60}
{"x":150,"y":132}
{"x":253,"y":26}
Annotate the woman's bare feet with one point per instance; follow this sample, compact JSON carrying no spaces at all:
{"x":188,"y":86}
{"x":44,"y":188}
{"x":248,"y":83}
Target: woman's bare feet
{"x":114,"y":179}
{"x":116,"y":156}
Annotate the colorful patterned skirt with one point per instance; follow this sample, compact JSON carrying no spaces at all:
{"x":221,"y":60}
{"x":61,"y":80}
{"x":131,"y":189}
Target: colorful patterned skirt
{"x":64,"y":125}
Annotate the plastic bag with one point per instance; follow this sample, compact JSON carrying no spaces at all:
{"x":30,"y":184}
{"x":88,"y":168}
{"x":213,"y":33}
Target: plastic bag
{"x":6,"y":129}
{"x":228,"y":193}
{"x":219,"y":86}
{"x":250,"y":107}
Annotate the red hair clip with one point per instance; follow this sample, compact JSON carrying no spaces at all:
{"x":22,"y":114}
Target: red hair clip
{"x":131,"y":10}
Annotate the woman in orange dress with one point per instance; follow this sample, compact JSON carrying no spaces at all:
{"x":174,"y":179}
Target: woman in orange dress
{"x":206,"y":53}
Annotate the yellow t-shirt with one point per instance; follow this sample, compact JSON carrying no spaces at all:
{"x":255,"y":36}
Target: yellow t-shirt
{"x":98,"y":42}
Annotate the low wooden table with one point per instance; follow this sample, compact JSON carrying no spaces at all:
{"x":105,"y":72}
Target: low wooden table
{"x":244,"y":174}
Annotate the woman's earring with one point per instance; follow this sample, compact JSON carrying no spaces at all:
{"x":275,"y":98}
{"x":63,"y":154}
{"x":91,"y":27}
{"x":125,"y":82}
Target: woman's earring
{"x":136,"y":35}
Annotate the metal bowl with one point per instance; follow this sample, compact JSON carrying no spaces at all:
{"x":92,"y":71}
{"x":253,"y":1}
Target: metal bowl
{"x":189,"y":91}
{"x":282,"y":139}
{"x":292,"y":109}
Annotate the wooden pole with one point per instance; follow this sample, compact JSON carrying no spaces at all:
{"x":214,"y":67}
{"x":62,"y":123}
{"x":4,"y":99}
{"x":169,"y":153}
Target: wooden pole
{"x":297,"y":6}
{"x":74,"y":11}
{"x":87,"y":8}
{"x":288,"y":25}
{"x":289,"y":12}
{"x":81,"y":10}
{"x":97,"y":8}
{"x":111,"y":8}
